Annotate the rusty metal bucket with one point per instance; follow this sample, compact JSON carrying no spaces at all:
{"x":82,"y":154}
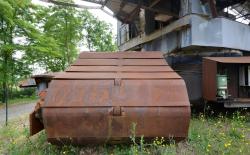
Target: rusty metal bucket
{"x":101,"y":95}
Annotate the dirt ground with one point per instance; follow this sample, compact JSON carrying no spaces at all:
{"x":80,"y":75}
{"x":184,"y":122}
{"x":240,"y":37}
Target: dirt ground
{"x":15,"y":111}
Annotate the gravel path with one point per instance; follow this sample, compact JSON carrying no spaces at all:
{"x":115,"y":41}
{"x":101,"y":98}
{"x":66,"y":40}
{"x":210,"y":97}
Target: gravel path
{"x":15,"y":111}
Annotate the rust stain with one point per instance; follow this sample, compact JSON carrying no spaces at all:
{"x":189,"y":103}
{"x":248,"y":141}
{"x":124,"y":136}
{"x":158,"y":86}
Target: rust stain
{"x":99,"y":105}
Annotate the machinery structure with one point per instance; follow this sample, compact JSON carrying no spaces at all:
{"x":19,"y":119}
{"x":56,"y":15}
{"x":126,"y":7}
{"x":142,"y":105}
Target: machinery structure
{"x":101,"y":95}
{"x":187,"y":31}
{"x":226,"y":80}
{"x":98,"y":98}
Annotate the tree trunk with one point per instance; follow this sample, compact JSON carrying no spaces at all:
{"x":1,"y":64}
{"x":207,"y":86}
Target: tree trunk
{"x":66,"y":40}
{"x":5,"y":84}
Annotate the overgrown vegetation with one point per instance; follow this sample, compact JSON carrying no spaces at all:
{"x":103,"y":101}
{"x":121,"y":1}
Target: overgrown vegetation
{"x":23,"y":100}
{"x":19,"y":96}
{"x":48,"y":38}
{"x":216,"y":135}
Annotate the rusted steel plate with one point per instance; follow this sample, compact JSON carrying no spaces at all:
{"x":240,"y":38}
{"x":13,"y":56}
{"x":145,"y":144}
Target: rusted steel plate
{"x":161,"y":75}
{"x":120,"y":62}
{"x":99,"y":104}
{"x":99,"y":125}
{"x":115,"y":55}
{"x":209,"y":72}
{"x":35,"y":124}
{"x":238,"y":60}
{"x":101,"y":93}
{"x":119,"y":69}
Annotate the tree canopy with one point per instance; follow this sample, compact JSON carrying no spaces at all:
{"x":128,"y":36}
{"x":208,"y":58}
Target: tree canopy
{"x":48,"y":37}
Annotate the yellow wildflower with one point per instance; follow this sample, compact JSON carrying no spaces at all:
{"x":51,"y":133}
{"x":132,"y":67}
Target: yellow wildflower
{"x":227,"y":144}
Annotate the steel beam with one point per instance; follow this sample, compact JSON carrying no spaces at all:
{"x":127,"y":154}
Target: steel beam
{"x":177,"y":25}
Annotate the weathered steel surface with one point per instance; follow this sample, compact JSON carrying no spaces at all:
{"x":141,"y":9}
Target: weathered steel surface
{"x":116,"y":55}
{"x":104,"y":93}
{"x":236,"y":60}
{"x":35,"y":118}
{"x":209,"y":86}
{"x":86,"y":106}
{"x":120,"y":62}
{"x":33,"y":82}
{"x":100,"y":125}
{"x":144,"y":69}
{"x":165,"y":75}
{"x":214,"y":65}
{"x":35,"y":124}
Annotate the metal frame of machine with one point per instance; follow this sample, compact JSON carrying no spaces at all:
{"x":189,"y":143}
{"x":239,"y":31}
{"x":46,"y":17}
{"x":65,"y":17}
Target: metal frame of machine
{"x":236,"y":87}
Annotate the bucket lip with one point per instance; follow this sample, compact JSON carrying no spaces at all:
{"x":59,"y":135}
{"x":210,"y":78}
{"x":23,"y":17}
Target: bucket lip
{"x":118,"y":75}
{"x":108,"y":107}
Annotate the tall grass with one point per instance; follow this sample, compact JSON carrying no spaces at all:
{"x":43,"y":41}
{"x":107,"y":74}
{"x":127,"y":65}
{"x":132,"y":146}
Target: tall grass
{"x":207,"y":135}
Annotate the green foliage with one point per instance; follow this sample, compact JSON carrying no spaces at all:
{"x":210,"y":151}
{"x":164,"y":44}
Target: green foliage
{"x":72,"y":28}
{"x":97,"y":33}
{"x":6,"y":11}
{"x":23,"y":100}
{"x":16,"y":25}
{"x":47,"y":37}
{"x":222,"y":135}
{"x":22,"y":93}
{"x":64,"y":25}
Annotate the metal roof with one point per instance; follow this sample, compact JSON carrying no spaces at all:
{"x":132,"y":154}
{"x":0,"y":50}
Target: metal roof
{"x":128,"y":10}
{"x":238,"y":60}
{"x":243,"y":9}
{"x":31,"y":82}
{"x":27,"y":83}
{"x":46,"y":75}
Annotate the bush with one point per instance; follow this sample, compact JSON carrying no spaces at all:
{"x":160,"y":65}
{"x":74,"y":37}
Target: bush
{"x":22,"y":93}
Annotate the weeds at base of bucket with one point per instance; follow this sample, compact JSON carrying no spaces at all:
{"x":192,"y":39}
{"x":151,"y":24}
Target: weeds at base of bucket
{"x":207,"y":135}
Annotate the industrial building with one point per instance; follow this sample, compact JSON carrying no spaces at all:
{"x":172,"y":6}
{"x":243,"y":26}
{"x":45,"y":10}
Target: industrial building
{"x":201,"y":40}
{"x":186,"y":31}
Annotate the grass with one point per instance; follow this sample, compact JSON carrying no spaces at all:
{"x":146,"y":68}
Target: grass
{"x":20,"y":101}
{"x":207,"y":135}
